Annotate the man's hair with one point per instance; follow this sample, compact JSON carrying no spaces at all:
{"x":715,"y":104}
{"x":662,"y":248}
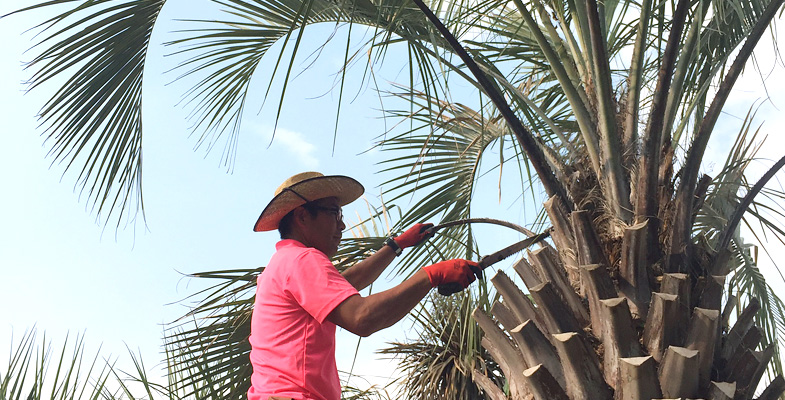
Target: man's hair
{"x":285,"y":226}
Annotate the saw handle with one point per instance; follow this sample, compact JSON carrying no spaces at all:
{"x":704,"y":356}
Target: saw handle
{"x":450,"y":288}
{"x":455,"y":287}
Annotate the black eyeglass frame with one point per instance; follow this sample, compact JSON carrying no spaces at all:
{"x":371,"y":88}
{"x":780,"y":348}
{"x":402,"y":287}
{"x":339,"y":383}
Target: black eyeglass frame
{"x":337,"y":211}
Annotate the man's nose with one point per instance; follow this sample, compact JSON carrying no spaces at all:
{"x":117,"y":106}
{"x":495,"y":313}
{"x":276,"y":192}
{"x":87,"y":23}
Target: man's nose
{"x":341,"y":225}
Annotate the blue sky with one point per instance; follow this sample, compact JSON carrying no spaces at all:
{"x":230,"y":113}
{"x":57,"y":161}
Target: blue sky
{"x":63,"y":272}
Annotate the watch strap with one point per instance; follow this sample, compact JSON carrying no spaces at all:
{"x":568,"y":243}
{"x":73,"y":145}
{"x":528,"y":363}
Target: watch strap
{"x":391,"y":242}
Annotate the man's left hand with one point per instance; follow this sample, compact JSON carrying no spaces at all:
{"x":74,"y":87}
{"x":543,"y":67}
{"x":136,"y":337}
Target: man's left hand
{"x":414,"y":236}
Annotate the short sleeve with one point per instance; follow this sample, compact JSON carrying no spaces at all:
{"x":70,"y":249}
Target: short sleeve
{"x":318,"y":287}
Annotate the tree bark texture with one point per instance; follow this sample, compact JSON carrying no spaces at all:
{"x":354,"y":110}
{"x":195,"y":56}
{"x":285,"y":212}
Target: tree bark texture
{"x":546,"y":261}
{"x":587,"y":243}
{"x":557,"y":316}
{"x":728,"y":309}
{"x":677,"y":373}
{"x":504,"y":315}
{"x":581,"y":368}
{"x":633,"y":269}
{"x":709,"y":292}
{"x":736,"y":335}
{"x":563,"y":237}
{"x":537,"y":350}
{"x":679,"y":285}
{"x":542,"y":384}
{"x":702,"y":337}
{"x":660,"y":330}
{"x":722,"y":390}
{"x":638,"y":379}
{"x":492,"y":392}
{"x":517,"y":302}
{"x":620,"y":340}
{"x":503,"y":351}
{"x":598,"y":286}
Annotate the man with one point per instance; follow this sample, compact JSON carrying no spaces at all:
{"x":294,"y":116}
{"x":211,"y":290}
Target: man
{"x":301,"y":296}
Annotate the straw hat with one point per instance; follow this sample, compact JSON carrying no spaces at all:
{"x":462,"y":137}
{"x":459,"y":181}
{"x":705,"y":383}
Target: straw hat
{"x":305,"y":187}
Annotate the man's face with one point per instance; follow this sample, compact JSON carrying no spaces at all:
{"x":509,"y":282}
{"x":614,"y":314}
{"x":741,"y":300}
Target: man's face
{"x":323,"y":230}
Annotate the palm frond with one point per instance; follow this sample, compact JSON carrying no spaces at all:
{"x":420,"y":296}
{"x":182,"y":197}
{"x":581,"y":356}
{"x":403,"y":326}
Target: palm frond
{"x":224,"y":55}
{"x":761,"y":17}
{"x":574,"y":94}
{"x":524,"y":137}
{"x":636,"y":75}
{"x":95,"y":118}
{"x":647,"y":204}
{"x":37,"y":371}
{"x":441,"y":167}
{"x":440,"y":361}
{"x":741,"y":208}
{"x":712,"y":223}
{"x":208,"y":348}
{"x":747,"y":279}
{"x":616,"y":185}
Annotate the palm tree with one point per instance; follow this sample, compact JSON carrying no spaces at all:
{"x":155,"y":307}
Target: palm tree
{"x":607,"y":106}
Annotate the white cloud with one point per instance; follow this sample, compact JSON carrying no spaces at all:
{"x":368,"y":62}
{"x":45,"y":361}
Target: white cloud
{"x":295,"y":144}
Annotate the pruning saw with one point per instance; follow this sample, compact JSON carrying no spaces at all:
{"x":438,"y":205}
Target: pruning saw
{"x":493,"y":258}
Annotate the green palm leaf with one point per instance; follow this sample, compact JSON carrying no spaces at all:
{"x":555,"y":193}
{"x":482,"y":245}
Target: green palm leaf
{"x":441,"y":167}
{"x":95,"y":118}
{"x":713,"y":219}
{"x":440,"y":361}
{"x":38,"y":371}
{"x":208,"y":349}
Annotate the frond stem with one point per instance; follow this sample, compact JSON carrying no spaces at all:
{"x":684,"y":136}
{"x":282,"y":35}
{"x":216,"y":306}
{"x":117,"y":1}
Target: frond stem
{"x":646,"y":204}
{"x":466,"y":221}
{"x":609,"y":137}
{"x":636,"y":77}
{"x":682,"y":221}
{"x":741,"y":208}
{"x":552,"y":186}
{"x":573,"y":93}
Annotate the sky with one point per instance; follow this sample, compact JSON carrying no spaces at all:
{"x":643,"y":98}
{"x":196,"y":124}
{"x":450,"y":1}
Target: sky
{"x":64,"y":272}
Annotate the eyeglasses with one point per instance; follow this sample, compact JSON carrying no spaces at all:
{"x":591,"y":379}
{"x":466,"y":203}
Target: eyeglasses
{"x":335,"y":211}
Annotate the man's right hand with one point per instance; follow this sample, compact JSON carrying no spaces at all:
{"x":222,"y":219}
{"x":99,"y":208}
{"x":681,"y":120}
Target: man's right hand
{"x":462,"y":272}
{"x":414,"y":236}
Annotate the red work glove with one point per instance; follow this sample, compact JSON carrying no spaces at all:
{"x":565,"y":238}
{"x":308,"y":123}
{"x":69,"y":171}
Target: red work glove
{"x":462,"y":272}
{"x":414,"y":236}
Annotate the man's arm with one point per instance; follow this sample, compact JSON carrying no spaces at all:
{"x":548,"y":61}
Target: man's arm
{"x":366,"y":315}
{"x":367,"y":271}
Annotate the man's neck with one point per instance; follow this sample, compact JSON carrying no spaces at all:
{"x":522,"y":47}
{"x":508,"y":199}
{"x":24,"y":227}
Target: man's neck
{"x":298,"y":237}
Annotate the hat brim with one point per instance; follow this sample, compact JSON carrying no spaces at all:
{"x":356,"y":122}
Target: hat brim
{"x":344,"y":188}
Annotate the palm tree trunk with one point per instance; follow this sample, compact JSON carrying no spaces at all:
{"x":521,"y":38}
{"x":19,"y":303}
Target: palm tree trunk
{"x":553,"y":353}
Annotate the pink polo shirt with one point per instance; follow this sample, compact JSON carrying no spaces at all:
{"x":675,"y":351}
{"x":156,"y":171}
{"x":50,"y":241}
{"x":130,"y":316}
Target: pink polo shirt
{"x":292,"y":343}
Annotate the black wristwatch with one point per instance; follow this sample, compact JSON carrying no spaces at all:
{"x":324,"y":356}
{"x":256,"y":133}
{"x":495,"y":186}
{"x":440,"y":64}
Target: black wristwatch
{"x":391,"y":242}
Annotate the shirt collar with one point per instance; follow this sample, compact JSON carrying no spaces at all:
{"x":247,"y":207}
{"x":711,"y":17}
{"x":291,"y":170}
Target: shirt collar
{"x":288,"y":243}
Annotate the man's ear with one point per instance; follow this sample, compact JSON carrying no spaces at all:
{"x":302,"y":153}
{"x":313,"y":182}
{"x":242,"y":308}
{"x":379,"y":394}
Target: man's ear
{"x":300,"y":216}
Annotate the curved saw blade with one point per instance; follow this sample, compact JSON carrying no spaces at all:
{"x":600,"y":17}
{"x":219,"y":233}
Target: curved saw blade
{"x":493,"y":258}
